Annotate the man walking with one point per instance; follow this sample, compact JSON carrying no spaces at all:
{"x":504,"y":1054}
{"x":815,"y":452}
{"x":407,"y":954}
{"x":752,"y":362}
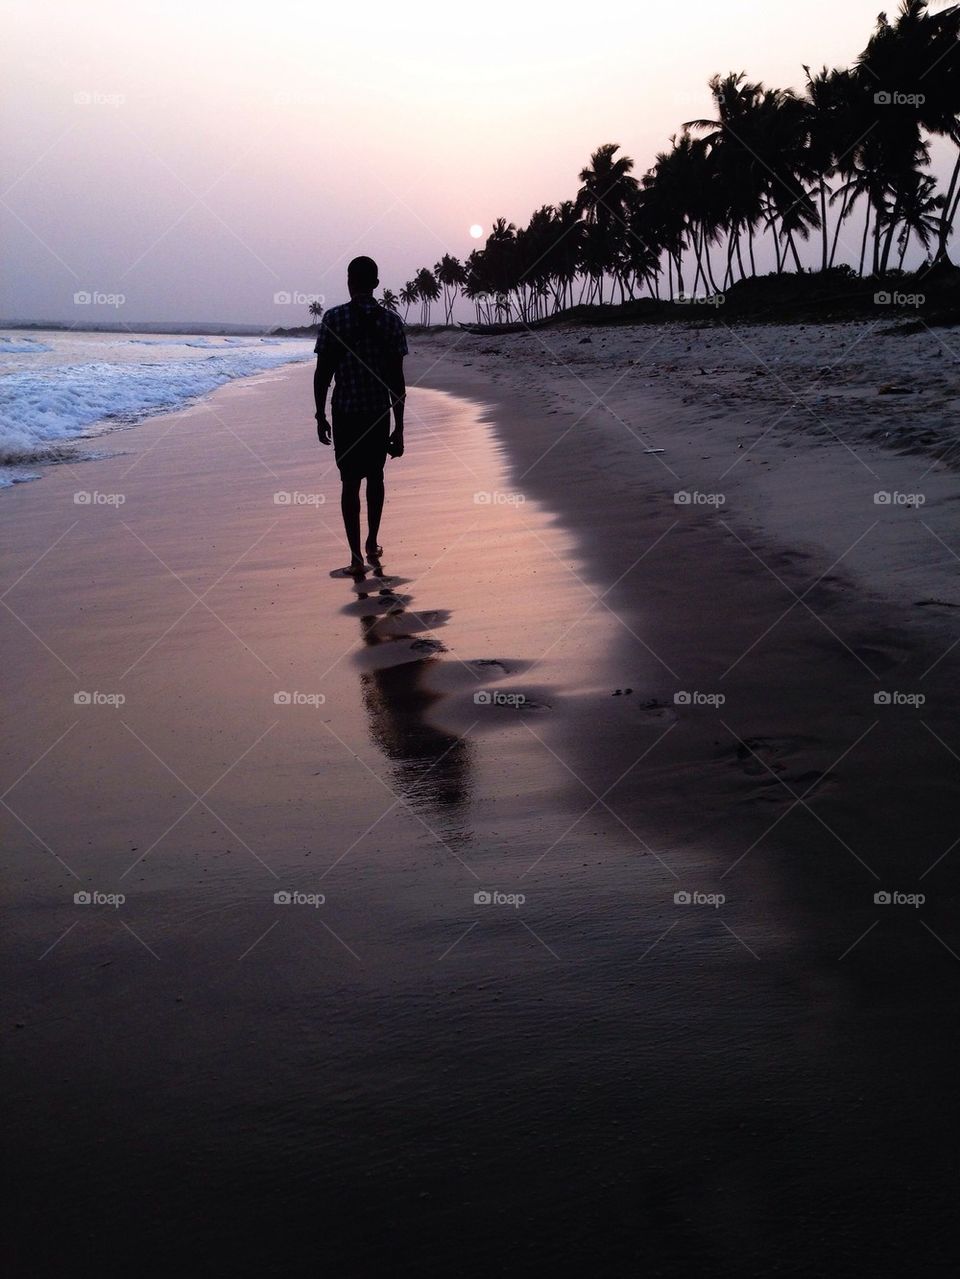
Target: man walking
{"x":361,"y":345}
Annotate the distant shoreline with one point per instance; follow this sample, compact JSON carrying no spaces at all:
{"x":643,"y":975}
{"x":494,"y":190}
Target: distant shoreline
{"x":191,"y":329}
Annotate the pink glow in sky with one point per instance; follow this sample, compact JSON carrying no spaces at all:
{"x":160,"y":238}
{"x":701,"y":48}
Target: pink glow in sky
{"x":199,"y":158}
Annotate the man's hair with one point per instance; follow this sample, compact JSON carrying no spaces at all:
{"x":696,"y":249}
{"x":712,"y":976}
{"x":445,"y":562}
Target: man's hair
{"x":363,"y":273}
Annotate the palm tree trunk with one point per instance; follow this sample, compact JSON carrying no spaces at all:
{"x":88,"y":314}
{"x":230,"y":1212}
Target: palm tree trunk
{"x":840,"y":221}
{"x":877,"y":229}
{"x":793,"y":250}
{"x":706,"y":254}
{"x":948,"y":215}
{"x":823,"y":221}
{"x":866,"y":232}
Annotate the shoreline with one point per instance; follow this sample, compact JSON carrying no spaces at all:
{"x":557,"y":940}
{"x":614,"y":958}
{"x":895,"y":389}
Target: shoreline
{"x":660,"y":1064}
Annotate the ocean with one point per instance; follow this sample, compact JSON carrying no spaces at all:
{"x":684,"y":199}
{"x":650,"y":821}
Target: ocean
{"x":61,"y":390}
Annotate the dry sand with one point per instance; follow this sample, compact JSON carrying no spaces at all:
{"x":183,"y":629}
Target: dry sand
{"x":594,"y":1078}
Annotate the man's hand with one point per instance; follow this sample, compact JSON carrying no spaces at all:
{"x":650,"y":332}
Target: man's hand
{"x":395,"y":444}
{"x":323,"y":430}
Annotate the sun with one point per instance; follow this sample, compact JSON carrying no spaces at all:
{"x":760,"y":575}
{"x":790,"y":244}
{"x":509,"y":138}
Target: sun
{"x":476,"y":231}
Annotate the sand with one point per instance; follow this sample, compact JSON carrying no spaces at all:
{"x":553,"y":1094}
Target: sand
{"x":598,"y":1074}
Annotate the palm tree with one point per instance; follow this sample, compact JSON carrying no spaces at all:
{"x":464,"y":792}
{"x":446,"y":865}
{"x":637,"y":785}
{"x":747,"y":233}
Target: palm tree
{"x":769,"y":160}
{"x":477,"y":287}
{"x":451,"y":275}
{"x":918,"y":211}
{"x":604,"y":199}
{"x":389,"y":301}
{"x":918,"y":56}
{"x":428,"y":291}
{"x":501,"y":265}
{"x":408,"y":295}
{"x":316,"y":310}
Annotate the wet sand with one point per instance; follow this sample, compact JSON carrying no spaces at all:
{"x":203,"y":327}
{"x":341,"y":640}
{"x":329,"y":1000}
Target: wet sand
{"x":204,"y":1078}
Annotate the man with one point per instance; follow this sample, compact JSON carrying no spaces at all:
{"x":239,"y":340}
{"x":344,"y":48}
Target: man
{"x":362,"y":345}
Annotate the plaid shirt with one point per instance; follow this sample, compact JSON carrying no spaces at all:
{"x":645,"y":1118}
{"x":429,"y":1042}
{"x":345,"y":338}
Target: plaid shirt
{"x":355,"y":345}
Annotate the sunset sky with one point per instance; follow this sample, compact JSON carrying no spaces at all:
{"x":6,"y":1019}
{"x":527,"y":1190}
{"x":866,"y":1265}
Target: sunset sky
{"x":199,"y":158}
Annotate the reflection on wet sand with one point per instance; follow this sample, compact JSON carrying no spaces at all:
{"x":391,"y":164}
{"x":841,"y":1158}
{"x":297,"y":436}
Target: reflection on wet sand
{"x":430,"y":766}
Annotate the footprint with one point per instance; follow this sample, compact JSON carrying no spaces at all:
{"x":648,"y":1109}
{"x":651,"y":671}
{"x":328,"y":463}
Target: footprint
{"x":428,"y":646}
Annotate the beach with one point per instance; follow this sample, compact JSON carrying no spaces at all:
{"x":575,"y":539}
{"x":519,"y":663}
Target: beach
{"x":583,"y":885}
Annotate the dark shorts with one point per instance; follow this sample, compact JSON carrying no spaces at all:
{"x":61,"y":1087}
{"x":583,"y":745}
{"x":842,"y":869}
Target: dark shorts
{"x":360,"y":442}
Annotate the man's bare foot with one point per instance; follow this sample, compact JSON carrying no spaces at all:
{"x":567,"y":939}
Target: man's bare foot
{"x":356,"y":568}
{"x":374,"y":552}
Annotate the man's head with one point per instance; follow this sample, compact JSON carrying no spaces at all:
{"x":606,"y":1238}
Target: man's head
{"x":362,"y":276}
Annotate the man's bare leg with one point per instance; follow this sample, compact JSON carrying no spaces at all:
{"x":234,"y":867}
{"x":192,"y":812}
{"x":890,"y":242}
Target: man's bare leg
{"x":374,"y":510}
{"x":350,"y":510}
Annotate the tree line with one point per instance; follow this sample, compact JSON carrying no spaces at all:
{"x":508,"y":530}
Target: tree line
{"x":770,"y":166}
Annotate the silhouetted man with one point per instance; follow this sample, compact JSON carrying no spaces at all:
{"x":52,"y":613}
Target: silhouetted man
{"x":361,"y":345}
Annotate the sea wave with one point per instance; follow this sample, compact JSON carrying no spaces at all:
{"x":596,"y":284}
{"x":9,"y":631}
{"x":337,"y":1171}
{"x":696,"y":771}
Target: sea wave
{"x":42,"y":410}
{"x":22,"y":346}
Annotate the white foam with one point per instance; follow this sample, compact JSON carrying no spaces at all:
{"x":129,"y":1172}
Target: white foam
{"x":22,"y":346}
{"x":42,"y":409}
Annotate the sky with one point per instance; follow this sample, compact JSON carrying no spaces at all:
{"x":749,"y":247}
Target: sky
{"x":197,"y":161}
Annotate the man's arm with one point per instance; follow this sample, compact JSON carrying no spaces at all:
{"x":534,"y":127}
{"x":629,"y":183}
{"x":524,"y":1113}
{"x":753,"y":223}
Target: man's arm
{"x":322,"y":377}
{"x":398,"y":391}
{"x":398,"y":388}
